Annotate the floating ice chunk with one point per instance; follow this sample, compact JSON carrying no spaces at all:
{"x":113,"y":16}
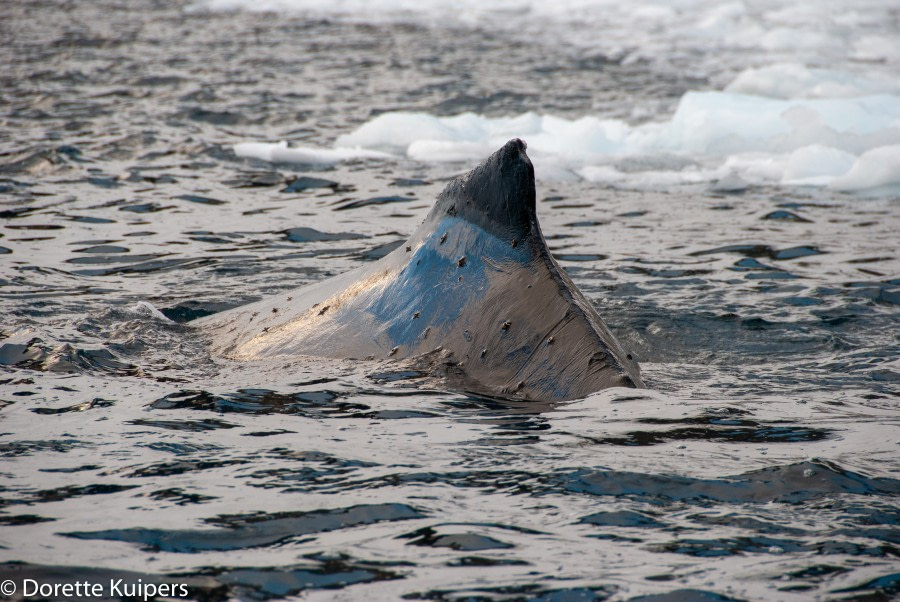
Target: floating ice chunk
{"x":877,"y":48}
{"x":145,"y":308}
{"x":759,"y":168}
{"x":722,"y":123}
{"x":793,"y":80}
{"x":875,"y":168}
{"x":789,"y":38}
{"x":394,"y":132}
{"x":279,"y":152}
{"x":422,"y":136}
{"x":716,"y":123}
{"x":653,"y":12}
{"x":435,"y":151}
{"x":712,"y":135}
{"x":730,"y":183}
{"x":581,"y":138}
{"x":397,"y":132}
{"x":649,"y":180}
{"x":602,"y":174}
{"x":724,"y":15}
{"x":816,"y":165}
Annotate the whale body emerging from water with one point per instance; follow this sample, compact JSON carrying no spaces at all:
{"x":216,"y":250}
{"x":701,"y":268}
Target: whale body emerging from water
{"x":474,"y":288}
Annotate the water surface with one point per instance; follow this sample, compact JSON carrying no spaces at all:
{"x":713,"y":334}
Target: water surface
{"x":761,"y":463}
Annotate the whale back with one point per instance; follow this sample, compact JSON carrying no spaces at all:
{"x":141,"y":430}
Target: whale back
{"x":475,"y":283}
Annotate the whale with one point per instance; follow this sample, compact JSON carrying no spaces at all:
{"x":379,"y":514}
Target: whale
{"x":474,"y":295}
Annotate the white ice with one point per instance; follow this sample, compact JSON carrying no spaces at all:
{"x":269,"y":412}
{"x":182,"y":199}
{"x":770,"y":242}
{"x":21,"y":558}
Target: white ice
{"x":280,"y":152}
{"x":808,"y":92}
{"x":847,"y":143}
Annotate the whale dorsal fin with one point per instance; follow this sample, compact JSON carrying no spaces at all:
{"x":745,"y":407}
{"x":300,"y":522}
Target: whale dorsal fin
{"x":498,"y":195}
{"x":475,"y":284}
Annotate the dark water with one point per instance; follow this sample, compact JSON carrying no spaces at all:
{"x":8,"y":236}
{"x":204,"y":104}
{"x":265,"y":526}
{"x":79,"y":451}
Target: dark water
{"x":761,"y":464}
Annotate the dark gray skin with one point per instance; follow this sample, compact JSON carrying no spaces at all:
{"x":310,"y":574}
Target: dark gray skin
{"x":475,"y":286}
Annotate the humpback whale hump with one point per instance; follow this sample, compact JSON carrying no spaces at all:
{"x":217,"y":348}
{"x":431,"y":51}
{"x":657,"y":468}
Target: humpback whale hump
{"x":475,"y":282}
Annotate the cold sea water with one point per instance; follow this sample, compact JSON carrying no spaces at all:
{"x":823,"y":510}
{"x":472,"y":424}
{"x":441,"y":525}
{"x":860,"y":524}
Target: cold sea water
{"x":720,"y":179}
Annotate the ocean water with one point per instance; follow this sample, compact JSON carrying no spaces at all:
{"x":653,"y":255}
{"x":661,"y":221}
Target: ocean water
{"x":720,"y":179}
